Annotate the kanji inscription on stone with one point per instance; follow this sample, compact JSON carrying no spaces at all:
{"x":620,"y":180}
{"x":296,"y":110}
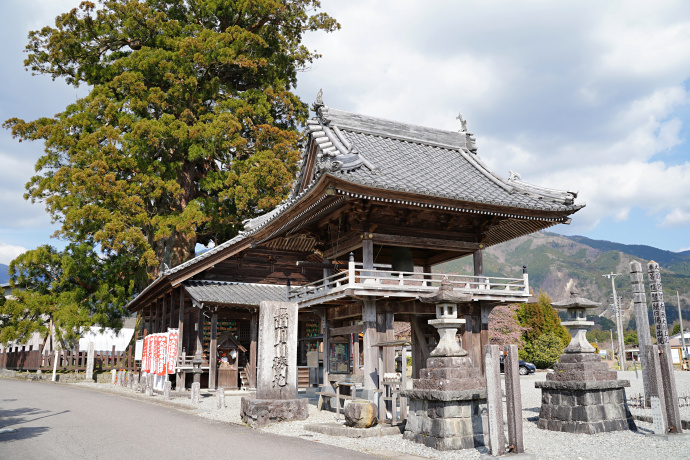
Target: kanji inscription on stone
{"x":657,"y":417}
{"x":658,"y":307}
{"x":277,"y":351}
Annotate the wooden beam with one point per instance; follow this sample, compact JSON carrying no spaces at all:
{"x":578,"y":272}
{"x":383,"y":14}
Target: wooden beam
{"x":346,"y":330}
{"x":423,"y":243}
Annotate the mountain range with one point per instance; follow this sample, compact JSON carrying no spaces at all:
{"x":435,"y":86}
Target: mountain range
{"x":556,"y":262}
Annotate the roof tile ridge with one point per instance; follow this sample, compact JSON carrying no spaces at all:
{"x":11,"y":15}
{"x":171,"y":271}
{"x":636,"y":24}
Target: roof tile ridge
{"x":413,"y":140}
{"x":412,"y":125}
{"x":478,"y":164}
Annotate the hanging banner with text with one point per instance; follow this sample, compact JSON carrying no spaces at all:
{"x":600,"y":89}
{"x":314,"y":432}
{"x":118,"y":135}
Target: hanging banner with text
{"x":159,"y":354}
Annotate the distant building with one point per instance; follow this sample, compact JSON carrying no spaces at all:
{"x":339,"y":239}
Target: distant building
{"x":676,"y":346}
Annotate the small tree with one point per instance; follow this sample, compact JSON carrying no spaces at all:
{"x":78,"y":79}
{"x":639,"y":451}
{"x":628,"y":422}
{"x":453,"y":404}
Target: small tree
{"x":676,"y":329}
{"x":545,"y":350}
{"x":541,"y":318}
{"x":504,"y":328}
{"x":71,"y":288}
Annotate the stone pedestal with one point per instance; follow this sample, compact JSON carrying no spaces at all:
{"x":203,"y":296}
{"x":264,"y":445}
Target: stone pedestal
{"x":588,"y":407}
{"x":262,"y":412}
{"x":447,"y":420}
{"x":447,"y":407}
{"x":583,"y":396}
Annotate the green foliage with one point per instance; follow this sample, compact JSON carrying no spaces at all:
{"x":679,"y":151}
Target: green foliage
{"x":597,"y":335}
{"x":544,"y":350}
{"x":541,"y":318}
{"x":676,"y":329}
{"x":73,"y":289}
{"x":189,"y":127}
{"x":543,"y":324}
{"x":630,"y":337}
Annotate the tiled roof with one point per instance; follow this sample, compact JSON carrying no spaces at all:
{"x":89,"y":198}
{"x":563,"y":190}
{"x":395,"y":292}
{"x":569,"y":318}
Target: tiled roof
{"x":396,"y":156}
{"x":221,"y":292}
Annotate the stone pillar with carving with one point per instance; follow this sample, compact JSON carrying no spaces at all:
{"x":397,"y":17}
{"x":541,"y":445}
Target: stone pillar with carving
{"x":447,"y":405}
{"x":276,"y":386}
{"x":582,"y":395}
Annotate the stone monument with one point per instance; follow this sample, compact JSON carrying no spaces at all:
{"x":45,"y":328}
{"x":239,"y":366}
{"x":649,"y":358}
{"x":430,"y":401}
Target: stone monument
{"x":447,"y":405}
{"x":582,"y":395}
{"x":659,"y":370}
{"x":276,"y":383}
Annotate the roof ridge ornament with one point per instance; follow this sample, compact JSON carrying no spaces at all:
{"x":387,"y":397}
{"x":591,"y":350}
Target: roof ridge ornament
{"x":320,"y":108}
{"x":470,"y":141}
{"x":513,"y":176}
{"x":463,"y":122}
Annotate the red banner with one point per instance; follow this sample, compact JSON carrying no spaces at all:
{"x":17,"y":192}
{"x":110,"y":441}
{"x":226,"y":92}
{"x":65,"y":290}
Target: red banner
{"x":159,"y":354}
{"x":171,"y":357}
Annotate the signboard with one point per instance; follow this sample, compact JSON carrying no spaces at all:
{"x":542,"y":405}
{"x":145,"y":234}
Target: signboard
{"x":339,"y":358}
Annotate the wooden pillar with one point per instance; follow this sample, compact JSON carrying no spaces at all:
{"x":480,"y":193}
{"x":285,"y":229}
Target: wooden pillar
{"x":420,"y":347}
{"x":326,"y":356}
{"x":370,"y":380}
{"x":478,"y":259}
{"x":477,"y":355}
{"x":467,"y":339}
{"x":179,"y":382}
{"x":354,"y":338}
{"x":212,"y":350}
{"x":427,"y":269}
{"x":253,"y":338}
{"x":200,"y":333}
{"x":164,"y":313}
{"x":386,"y":333}
{"x":157,"y":321}
{"x":371,"y":357}
{"x":484,"y":331}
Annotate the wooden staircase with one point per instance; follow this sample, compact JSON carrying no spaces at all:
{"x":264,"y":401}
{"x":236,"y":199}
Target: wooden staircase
{"x":244,"y":382}
{"x":302,"y":377}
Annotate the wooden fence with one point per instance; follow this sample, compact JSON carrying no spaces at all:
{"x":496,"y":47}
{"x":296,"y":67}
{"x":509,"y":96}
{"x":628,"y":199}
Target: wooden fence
{"x":68,"y":360}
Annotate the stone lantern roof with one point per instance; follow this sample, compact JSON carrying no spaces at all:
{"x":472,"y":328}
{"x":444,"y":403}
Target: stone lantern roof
{"x":575,"y":301}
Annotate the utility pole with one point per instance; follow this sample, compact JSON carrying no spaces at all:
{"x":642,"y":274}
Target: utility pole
{"x":683,"y":351}
{"x":613,"y":351}
{"x":619,"y":321}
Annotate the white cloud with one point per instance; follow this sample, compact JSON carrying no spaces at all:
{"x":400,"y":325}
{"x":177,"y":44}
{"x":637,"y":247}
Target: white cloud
{"x":676,"y":218}
{"x":8,"y":252}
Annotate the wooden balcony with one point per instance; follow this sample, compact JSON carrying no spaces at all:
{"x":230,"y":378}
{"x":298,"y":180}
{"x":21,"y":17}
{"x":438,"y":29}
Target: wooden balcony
{"x":381,"y":281}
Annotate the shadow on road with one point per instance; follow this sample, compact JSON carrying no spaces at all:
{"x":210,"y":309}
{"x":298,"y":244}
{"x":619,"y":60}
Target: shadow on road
{"x":12,"y":418}
{"x":27,"y":432}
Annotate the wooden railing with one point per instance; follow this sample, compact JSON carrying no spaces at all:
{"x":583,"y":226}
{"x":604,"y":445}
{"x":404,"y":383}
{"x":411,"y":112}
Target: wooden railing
{"x":384,"y":278}
{"x":68,"y":360}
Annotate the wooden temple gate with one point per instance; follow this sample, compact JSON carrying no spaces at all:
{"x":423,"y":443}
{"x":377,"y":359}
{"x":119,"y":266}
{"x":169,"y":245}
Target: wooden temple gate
{"x":376,"y":208}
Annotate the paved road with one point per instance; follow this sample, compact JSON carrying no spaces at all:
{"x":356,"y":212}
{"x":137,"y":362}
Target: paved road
{"x":56,"y":421}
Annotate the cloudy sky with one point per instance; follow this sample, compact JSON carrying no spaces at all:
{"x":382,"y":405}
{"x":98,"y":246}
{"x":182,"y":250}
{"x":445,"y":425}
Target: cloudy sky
{"x":587,"y":96}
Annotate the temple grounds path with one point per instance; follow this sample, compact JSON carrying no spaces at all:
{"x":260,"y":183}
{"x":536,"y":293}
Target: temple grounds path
{"x":109,"y":426}
{"x":54,"y":421}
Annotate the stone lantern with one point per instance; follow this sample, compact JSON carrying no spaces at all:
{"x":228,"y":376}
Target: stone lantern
{"x":450,"y":384}
{"x":582,"y":395}
{"x":576,"y":308}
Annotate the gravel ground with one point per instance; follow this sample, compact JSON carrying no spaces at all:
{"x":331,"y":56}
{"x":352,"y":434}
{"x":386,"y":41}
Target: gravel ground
{"x":544,"y":444}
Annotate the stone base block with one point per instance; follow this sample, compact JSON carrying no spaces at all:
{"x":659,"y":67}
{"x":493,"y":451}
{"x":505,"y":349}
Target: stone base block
{"x":447,"y":423}
{"x":584,"y":407}
{"x":263,"y":412}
